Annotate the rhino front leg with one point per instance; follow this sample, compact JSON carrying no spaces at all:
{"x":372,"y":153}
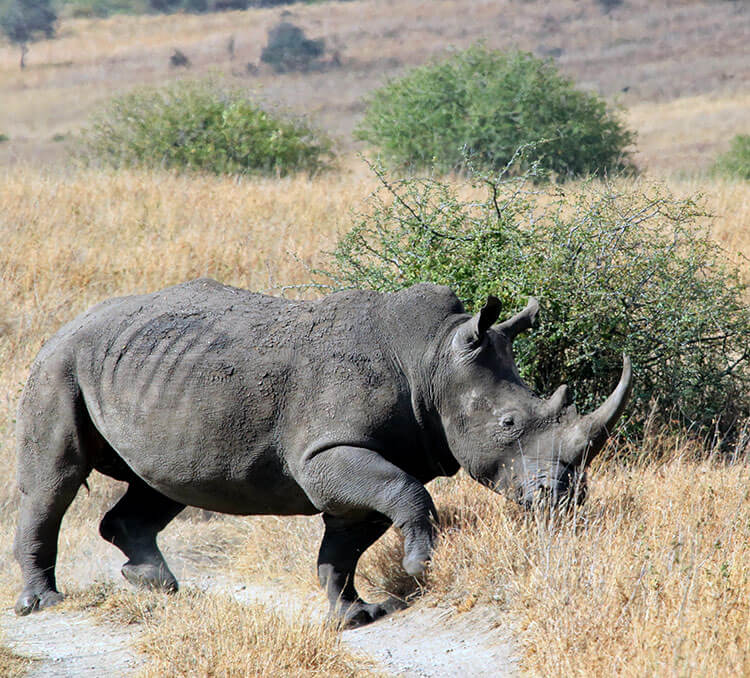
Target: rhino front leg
{"x":349,"y":483}
{"x":132,"y":525}
{"x":344,"y":541}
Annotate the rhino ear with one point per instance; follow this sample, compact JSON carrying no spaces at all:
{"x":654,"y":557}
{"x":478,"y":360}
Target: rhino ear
{"x":477,"y":327}
{"x":521,"y":321}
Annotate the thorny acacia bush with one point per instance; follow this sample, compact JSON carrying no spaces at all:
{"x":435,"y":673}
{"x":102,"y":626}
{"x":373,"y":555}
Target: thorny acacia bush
{"x":735,"y":163}
{"x":629,"y":269}
{"x":201,"y":126}
{"x":489,"y":103}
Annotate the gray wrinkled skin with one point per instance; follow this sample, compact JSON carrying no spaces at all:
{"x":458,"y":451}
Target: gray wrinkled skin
{"x":211,"y":396}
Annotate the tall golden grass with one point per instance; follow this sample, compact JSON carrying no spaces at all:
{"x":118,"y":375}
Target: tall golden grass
{"x":651,"y":577}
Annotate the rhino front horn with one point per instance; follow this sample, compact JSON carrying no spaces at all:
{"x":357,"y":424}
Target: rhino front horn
{"x":601,"y":422}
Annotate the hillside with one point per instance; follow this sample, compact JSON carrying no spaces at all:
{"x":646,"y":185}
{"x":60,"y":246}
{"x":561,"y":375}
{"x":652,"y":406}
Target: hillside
{"x":679,"y":67}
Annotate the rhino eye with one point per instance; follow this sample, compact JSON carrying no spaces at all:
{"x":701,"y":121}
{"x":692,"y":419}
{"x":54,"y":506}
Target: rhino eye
{"x":508,"y":421}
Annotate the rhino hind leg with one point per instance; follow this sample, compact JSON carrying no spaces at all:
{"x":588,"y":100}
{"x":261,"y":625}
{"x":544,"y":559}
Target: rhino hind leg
{"x":132,"y":525}
{"x":35,"y":545}
{"x":53,"y":437}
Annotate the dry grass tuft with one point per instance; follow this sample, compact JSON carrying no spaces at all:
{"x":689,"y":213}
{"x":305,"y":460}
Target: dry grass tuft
{"x":200,"y":634}
{"x":13,"y":665}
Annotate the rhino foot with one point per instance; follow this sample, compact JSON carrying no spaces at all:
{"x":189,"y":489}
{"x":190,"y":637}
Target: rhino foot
{"x":150,"y":576}
{"x":416,"y":564}
{"x":31,"y":601}
{"x":360,"y":613}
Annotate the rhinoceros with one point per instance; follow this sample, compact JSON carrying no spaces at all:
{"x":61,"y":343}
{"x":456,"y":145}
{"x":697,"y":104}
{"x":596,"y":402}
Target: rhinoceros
{"x":212,"y":396}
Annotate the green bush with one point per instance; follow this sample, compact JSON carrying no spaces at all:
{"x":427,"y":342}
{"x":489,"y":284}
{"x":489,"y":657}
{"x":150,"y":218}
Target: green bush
{"x":488,"y":104}
{"x":615,"y":270}
{"x":735,"y":163}
{"x":200,"y":126}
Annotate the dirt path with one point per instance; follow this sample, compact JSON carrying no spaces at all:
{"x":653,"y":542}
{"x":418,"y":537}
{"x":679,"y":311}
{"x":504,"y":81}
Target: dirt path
{"x":68,"y":644}
{"x":419,"y":642}
{"x":433,"y":642}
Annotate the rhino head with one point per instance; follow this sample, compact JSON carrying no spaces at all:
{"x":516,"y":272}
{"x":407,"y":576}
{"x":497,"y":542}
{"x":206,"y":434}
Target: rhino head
{"x":500,"y":432}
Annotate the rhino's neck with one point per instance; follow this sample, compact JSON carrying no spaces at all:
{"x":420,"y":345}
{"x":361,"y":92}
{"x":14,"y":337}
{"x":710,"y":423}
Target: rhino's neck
{"x":417,"y":322}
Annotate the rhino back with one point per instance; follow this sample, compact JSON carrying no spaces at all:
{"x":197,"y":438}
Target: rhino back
{"x":213,"y":394}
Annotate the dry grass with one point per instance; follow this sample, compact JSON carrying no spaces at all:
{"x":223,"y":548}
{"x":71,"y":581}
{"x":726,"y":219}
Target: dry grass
{"x":684,"y":136}
{"x":650,"y":579}
{"x":245,"y":640}
{"x":13,"y":665}
{"x":639,"y":54}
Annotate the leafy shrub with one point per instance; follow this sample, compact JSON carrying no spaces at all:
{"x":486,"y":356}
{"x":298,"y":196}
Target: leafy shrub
{"x":199,"y":126}
{"x":289,"y":50}
{"x":735,"y":162}
{"x":491,"y":103}
{"x":615,"y":270}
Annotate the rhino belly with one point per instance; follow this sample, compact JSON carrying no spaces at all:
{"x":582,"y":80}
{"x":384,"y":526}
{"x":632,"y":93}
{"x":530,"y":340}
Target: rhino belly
{"x":203,"y":432}
{"x":254,"y":483}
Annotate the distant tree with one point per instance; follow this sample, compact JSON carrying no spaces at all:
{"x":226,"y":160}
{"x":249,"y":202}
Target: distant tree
{"x":24,"y":21}
{"x":289,"y":50}
{"x":608,"y":5}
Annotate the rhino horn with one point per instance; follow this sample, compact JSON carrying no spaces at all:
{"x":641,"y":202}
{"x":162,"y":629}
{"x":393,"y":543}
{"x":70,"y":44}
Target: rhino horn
{"x":589,"y":433}
{"x":557,"y":401}
{"x":521,"y":321}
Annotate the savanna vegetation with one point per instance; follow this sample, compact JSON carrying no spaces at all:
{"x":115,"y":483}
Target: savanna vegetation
{"x":479,"y":106}
{"x":200,"y":126}
{"x":651,"y":575}
{"x":735,"y":162}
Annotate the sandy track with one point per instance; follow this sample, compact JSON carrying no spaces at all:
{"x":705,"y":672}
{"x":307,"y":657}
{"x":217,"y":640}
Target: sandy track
{"x":431,"y":641}
{"x":419,"y":642}
{"x":71,"y":644}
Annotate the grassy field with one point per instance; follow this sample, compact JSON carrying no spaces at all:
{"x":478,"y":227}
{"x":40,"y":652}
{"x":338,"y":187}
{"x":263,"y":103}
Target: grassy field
{"x":634,"y":584}
{"x":651,"y":577}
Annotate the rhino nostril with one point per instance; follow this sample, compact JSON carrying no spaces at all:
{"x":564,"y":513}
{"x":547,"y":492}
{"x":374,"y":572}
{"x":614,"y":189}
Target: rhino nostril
{"x":539,"y":495}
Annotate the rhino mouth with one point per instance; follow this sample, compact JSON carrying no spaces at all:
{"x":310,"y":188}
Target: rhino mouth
{"x":566,"y":490}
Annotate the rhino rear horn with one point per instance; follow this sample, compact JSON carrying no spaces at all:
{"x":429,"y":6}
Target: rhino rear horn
{"x":521,"y":321}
